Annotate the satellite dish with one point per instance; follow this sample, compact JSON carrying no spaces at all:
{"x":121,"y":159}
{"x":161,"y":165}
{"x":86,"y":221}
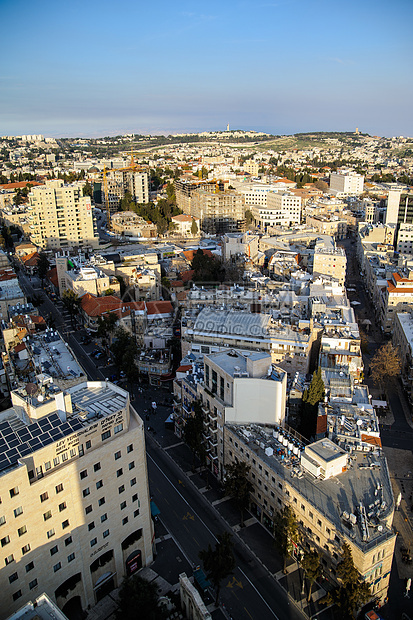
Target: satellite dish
{"x":40,"y":398}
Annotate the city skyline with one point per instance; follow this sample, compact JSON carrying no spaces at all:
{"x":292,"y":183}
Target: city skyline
{"x":281,"y":67}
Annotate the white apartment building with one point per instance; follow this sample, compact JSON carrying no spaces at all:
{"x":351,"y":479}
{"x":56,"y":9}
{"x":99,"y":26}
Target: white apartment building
{"x":405,"y":239}
{"x":233,"y":382}
{"x":75,"y":514}
{"x":61,"y":217}
{"x":255,"y":194}
{"x":346,"y":183}
{"x":282,"y":209}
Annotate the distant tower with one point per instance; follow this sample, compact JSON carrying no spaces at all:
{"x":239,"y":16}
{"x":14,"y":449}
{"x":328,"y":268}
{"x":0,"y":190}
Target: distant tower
{"x":357,"y":131}
{"x":228,"y":127}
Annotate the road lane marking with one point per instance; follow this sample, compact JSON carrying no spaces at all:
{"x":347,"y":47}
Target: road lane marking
{"x":196,"y":541}
{"x":245,"y":609}
{"x":212,"y":534}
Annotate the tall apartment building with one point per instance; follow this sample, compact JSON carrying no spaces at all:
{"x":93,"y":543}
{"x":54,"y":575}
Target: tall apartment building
{"x":128,"y":180}
{"x":330,"y":262}
{"x":220,"y":212}
{"x":405,"y":239}
{"x":75,"y":509}
{"x":346,"y":183}
{"x":61,"y":217}
{"x":281,"y":209}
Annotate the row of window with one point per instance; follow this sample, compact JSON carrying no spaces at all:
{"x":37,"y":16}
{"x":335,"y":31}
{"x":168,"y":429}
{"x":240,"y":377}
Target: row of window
{"x":84,"y":474}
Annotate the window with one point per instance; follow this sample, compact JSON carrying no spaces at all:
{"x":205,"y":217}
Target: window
{"x":59,"y":488}
{"x":103,"y":517}
{"x":135,"y":497}
{"x":47,"y":515}
{"x":136,"y":513}
{"x":57,"y":567}
{"x":131,"y":465}
{"x":47,"y":466}
{"x":56,"y":461}
{"x":88,"y":509}
{"x":118,"y":455}
{"x":13,"y":577}
{"x":29,"y":567}
{"x":13,"y":492}
{"x":22,"y":530}
{"x":125,"y":520}
{"x":91,"y":526}
{"x":2,"y":520}
{"x":96,"y":466}
{"x":105,"y":533}
{"x":118,"y":428}
{"x":51,"y":533}
{"x":62,"y":506}
{"x":101,"y":501}
{"x":17,"y":511}
{"x":25,"y":549}
{"x":9,"y":559}
{"x":88,"y":445}
{"x":65,"y":524}
{"x":129,"y":448}
{"x":121,"y":489}
{"x":86,"y":492}
{"x":93,"y":542}
{"x":318,"y":522}
{"x":119,"y":473}
{"x":5,"y":541}
{"x":68,"y":541}
{"x":133,"y":482}
{"x":83,"y":474}
{"x":17,"y":595}
{"x":123,"y":505}
{"x":32,"y":584}
{"x":105,"y":435}
{"x":71,"y":557}
{"x":99,"y":484}
{"x":44,"y":496}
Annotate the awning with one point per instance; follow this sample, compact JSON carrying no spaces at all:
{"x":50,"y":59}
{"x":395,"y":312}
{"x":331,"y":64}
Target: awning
{"x":201,"y":579}
{"x":154,"y":509}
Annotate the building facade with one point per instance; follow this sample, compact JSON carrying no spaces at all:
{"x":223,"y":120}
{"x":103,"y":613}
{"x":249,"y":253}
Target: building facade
{"x":75,"y":513}
{"x":61,"y":217}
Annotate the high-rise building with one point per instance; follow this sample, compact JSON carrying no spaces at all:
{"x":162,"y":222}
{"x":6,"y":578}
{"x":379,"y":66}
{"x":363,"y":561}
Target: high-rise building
{"x":346,"y":183}
{"x":219,"y":212}
{"x":120,"y":181}
{"x":75,"y":509}
{"x":61,"y":217}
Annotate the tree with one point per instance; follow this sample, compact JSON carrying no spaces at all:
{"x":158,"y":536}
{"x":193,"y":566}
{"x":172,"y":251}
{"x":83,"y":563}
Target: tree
{"x":238,"y":485}
{"x":311,"y":567}
{"x":87,"y":189}
{"x":352,"y":592}
{"x":311,"y":398}
{"x":249,"y":218}
{"x":194,"y":228}
{"x":385,"y":365}
{"x":124,"y":350}
{"x":106,"y":324}
{"x":285,"y":532}
{"x":42,"y":266}
{"x":139,"y":597}
{"x":71,"y":302}
{"x":321,"y":185}
{"x":219,"y":562}
{"x":316,"y":390}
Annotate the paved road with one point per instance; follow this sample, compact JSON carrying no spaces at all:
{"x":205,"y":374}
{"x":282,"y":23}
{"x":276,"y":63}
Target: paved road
{"x":250,"y":592}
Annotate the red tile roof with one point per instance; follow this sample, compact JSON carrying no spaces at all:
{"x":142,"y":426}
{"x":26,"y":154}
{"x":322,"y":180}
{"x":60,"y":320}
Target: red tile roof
{"x":189,"y":254}
{"x":96,"y":306}
{"x":159,"y":307}
{"x":52,"y":276}
{"x":186,"y":276}
{"x":19,"y":184}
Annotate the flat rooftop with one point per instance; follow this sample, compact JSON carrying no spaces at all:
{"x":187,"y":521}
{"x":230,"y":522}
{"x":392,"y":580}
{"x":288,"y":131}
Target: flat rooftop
{"x":336,"y":495}
{"x":20,"y":437}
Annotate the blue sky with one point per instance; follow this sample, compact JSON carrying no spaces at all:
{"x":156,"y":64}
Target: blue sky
{"x":88,"y":68}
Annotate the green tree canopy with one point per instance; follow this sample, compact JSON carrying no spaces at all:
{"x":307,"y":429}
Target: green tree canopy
{"x":194,"y":228}
{"x":43,"y":266}
{"x":87,"y":189}
{"x":285,"y":531}
{"x":385,"y":364}
{"x":352,"y":592}
{"x":238,"y":485}
{"x":312,"y":568}
{"x":139,"y":598}
{"x":218,"y":562}
{"x":71,"y":302}
{"x":193,"y":428}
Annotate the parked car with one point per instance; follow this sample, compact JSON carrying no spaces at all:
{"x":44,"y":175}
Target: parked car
{"x":99,"y":355}
{"x":86,"y":339}
{"x":95,"y":352}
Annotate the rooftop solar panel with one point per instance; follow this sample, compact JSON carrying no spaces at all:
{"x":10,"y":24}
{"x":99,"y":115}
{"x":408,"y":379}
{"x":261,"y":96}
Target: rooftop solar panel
{"x":35,"y":430}
{"x":24,"y":434}
{"x":24,"y":449}
{"x":14,"y":442}
{"x":48,"y":440}
{"x":34,"y":443}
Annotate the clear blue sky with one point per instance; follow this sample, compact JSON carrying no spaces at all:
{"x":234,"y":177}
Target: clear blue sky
{"x":88,"y":68}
